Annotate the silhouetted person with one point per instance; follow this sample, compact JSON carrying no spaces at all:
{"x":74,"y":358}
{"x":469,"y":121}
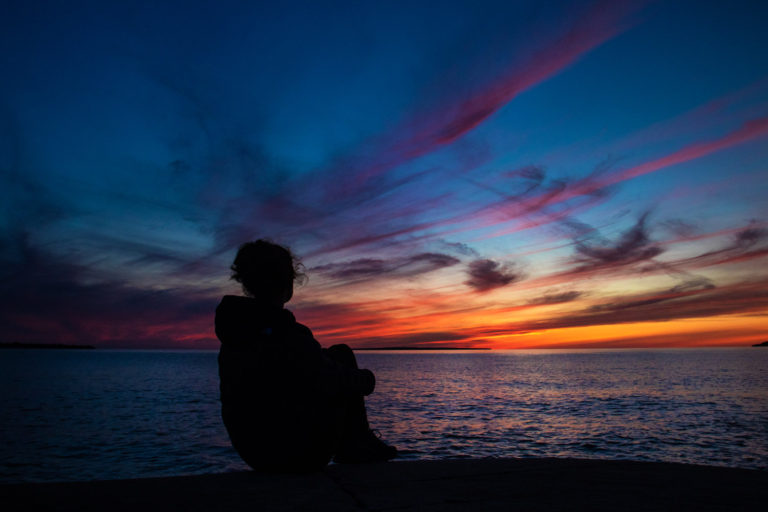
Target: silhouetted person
{"x":288,"y":404}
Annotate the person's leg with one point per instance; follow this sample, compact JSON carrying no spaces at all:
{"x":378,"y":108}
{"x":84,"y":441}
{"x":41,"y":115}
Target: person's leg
{"x":343,"y":354}
{"x":357,"y":442}
{"x":354,"y":416}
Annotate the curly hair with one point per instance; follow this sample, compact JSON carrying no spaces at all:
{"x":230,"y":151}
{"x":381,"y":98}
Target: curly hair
{"x":264,"y":268}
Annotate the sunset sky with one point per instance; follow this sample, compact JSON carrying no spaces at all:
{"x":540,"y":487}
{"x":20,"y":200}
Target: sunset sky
{"x":480,"y":174}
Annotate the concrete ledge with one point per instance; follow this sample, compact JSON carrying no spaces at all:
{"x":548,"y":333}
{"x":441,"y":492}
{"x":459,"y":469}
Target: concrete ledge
{"x":474,"y":484}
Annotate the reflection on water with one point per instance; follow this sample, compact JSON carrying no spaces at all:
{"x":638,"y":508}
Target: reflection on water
{"x":82,"y":415}
{"x":695,"y":406}
{"x":77,"y":415}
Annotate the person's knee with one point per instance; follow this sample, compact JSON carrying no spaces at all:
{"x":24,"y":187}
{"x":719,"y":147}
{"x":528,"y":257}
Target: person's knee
{"x":343,"y":354}
{"x":341,"y":347}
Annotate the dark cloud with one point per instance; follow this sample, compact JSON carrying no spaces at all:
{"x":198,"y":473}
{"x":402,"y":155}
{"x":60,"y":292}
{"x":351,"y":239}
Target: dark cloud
{"x":460,"y":248}
{"x":225,"y":182}
{"x":49,"y":297}
{"x":431,"y":260}
{"x":529,"y":178}
{"x":428,"y":338}
{"x":364,"y":267}
{"x":528,"y":195}
{"x":628,"y":304}
{"x":237,"y":190}
{"x":46,"y":299}
{"x":633,"y":246}
{"x":485,"y":275}
{"x":580,"y":230}
{"x":692,"y":284}
{"x":375,"y":267}
{"x":535,"y":173}
{"x":745,"y":245}
{"x":666,"y":305}
{"x":749,"y":237}
{"x":25,"y":201}
{"x":712,"y":337}
{"x":699,"y":300}
{"x":680,"y":227}
{"x":555,"y":298}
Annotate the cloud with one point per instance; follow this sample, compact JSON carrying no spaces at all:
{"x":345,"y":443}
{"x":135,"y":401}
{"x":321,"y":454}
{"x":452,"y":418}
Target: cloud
{"x":555,"y":202}
{"x":707,"y":115}
{"x":704,"y":301}
{"x":555,"y":298}
{"x":376,"y":267}
{"x":749,"y":237}
{"x":693,"y":283}
{"x":590,"y":28}
{"x":428,"y":338}
{"x":460,"y":248}
{"x":594,"y":188}
{"x":680,"y":228}
{"x":366,"y":172}
{"x":372,"y":195}
{"x":712,"y":337}
{"x":634,"y":253}
{"x":540,"y":201}
{"x":485,"y":275}
{"x":744,"y":245}
{"x":634,"y":245}
{"x":238,"y":191}
{"x":750,"y":130}
{"x":225,"y":179}
{"x":696,"y":300}
{"x":45,"y":299}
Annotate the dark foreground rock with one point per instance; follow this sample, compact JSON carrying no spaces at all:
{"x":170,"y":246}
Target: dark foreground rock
{"x":482,"y":484}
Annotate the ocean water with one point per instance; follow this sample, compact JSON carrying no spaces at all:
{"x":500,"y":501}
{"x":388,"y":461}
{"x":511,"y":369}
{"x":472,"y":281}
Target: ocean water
{"x":80,"y":415}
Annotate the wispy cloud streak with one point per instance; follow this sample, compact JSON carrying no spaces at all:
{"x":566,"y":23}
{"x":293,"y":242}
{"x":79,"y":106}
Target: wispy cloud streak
{"x":470,"y":205}
{"x":485,"y":275}
{"x":441,"y":126}
{"x":367,"y":268}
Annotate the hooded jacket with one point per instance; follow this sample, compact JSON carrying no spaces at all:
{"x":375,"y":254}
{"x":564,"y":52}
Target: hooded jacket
{"x":280,"y":393}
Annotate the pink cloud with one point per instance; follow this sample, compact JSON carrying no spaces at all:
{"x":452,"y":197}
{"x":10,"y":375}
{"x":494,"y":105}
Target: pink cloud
{"x":590,"y":188}
{"x":750,"y":130}
{"x":428,"y":131}
{"x":731,"y":106}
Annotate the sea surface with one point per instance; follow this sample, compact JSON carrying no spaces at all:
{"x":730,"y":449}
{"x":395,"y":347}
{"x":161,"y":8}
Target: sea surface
{"x":101,"y":414}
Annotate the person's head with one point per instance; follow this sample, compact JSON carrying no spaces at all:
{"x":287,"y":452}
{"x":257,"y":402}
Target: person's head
{"x":267,"y":271}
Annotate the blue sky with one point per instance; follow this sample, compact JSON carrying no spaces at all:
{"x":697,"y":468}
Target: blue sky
{"x":497,"y":155}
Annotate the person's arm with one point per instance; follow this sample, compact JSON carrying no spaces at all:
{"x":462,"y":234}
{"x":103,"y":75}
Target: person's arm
{"x":360,"y":381}
{"x":334,"y":377}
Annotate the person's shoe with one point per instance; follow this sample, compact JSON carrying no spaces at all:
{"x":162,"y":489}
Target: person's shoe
{"x":368,"y":447}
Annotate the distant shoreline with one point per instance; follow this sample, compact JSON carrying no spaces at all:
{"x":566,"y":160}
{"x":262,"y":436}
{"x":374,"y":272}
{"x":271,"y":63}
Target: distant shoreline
{"x":420,"y":348}
{"x":54,"y":346}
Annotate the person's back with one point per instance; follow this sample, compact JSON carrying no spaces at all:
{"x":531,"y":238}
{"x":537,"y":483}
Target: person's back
{"x":287,"y":403}
{"x":260,"y":370}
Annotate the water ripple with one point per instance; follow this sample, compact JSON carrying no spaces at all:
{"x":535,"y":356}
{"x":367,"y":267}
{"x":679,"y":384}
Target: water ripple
{"x":111,"y":414}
